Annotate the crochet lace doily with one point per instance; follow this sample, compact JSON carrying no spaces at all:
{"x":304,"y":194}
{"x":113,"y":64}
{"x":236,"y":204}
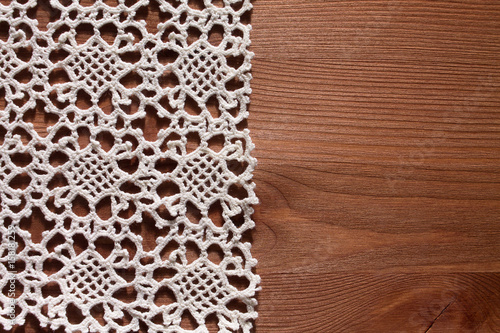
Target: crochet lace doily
{"x":85,"y":178}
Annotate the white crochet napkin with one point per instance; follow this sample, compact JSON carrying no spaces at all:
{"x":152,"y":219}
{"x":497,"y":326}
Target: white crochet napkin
{"x":82,"y":169}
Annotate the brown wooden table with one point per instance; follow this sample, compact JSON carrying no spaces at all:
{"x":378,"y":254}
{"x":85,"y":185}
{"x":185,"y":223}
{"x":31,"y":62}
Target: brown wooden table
{"x":377,"y":126}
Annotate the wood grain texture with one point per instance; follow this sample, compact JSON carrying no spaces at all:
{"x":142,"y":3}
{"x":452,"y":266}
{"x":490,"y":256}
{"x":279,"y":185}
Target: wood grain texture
{"x":377,"y":126}
{"x":379,"y":302}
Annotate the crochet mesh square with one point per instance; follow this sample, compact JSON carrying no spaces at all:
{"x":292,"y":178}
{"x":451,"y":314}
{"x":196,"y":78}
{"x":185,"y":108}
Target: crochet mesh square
{"x":123,"y":141}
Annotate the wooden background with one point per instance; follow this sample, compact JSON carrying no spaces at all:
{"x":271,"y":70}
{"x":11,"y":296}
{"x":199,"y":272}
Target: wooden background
{"x":377,"y":126}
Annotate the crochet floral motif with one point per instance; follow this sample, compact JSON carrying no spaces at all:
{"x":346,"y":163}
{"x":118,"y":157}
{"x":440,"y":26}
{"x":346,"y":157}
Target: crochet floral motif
{"x":125,"y":169}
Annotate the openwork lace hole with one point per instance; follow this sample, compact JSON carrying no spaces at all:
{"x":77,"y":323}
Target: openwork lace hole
{"x":153,"y":15}
{"x":131,"y":80}
{"x":239,"y":282}
{"x":43,"y":12}
{"x":168,"y":188}
{"x":163,"y":273}
{"x":20,"y":182}
{"x":51,"y":289}
{"x":83,"y":32}
{"x":80,"y":243}
{"x":193,"y":142}
{"x":4,"y":31}
{"x":21,"y":159}
{"x":193,"y":35}
{"x":104,"y":208}
{"x":215,"y":254}
{"x":238,"y":191}
{"x":218,"y":3}
{"x":215,"y":213}
{"x":52,"y":266}
{"x":235,"y":61}
{"x":234,"y":84}
{"x":187,"y":321}
{"x":216,"y":35}
{"x":164,"y":296}
{"x":196,"y":4}
{"x":74,"y":314}
{"x":236,"y":305}
{"x":80,"y":206}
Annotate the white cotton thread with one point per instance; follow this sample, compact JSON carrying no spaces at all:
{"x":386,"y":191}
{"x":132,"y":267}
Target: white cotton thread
{"x":97,"y":154}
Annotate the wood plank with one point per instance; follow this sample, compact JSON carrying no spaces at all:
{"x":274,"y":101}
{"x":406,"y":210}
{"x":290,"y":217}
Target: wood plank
{"x":376,"y":302}
{"x":377,"y":129}
{"x":395,"y":162}
{"x":377,"y":30}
